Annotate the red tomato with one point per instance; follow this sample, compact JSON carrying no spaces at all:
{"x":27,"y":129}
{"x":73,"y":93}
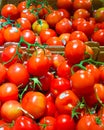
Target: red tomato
{"x":21,"y":6}
{"x":82,"y":82}
{"x":64,"y":37}
{"x":81,"y":13}
{"x":65,"y":4}
{"x":89,"y":50}
{"x":34,"y":103}
{"x":63,"y":26}
{"x":66,"y":101}
{"x":78,"y":35}
{"x":64,"y":13}
{"x":2,"y":39}
{"x":3,"y":73}
{"x":12,"y":34}
{"x":59,"y":85}
{"x":47,"y":123}
{"x":10,"y":10}
{"x":54,"y":41}
{"x":98,"y":36}
{"x":9,"y":56}
{"x":64,"y":122}
{"x":23,"y":23}
{"x":29,"y":36}
{"x":85,"y":4}
{"x":53,"y":18}
{"x":74,"y":51}
{"x":10,"y":110}
{"x":101,"y":68}
{"x":8,"y":91}
{"x":25,"y":123}
{"x":46,"y":34}
{"x":18,"y":74}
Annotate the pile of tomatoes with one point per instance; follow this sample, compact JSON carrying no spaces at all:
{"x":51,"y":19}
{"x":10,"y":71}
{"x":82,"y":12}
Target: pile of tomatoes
{"x":41,"y":90}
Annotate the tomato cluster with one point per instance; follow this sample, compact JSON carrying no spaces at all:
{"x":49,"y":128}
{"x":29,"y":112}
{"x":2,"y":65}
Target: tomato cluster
{"x":40,"y":88}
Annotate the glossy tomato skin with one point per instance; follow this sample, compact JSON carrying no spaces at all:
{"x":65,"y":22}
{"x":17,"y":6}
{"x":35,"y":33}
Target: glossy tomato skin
{"x":12,"y":34}
{"x":66,"y":101}
{"x":48,"y":121}
{"x":59,"y":85}
{"x":64,"y":13}
{"x":3,"y":73}
{"x":10,"y":10}
{"x":34,"y":103}
{"x":74,"y":51}
{"x":64,"y":122}
{"x":10,"y":110}
{"x":8,"y":91}
{"x":18,"y":74}
{"x":25,"y":123}
{"x":82,"y":82}
{"x":2,"y":39}
{"x":63,"y":26}
{"x":98,"y":36}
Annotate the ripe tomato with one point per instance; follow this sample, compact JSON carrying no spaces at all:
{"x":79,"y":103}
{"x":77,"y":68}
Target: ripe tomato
{"x":101,"y":68}
{"x":59,"y":85}
{"x":34,"y":103}
{"x":64,"y":37}
{"x":66,"y":101}
{"x":12,"y":34}
{"x":21,"y":6}
{"x":63,"y":26}
{"x":29,"y":36}
{"x":10,"y":10}
{"x":54,"y":41}
{"x":10,"y":110}
{"x":47,"y":123}
{"x":8,"y":91}
{"x":64,"y":122}
{"x":2,"y":39}
{"x":82,"y":82}
{"x":74,"y":51}
{"x":18,"y":74}
{"x":78,"y":35}
{"x":64,"y":13}
{"x":23,"y":23}
{"x":3,"y":73}
{"x":98,"y":36}
{"x":46,"y":34}
{"x":25,"y":123}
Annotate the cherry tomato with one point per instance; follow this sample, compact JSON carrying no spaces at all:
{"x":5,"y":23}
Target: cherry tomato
{"x":2,"y":39}
{"x":3,"y":73}
{"x":46,"y":34}
{"x":12,"y":34}
{"x":25,"y":123}
{"x":34,"y":103}
{"x":64,"y":13}
{"x":74,"y":51}
{"x":63,"y":26}
{"x":10,"y":10}
{"x":18,"y":74}
{"x":47,"y":123}
{"x":8,"y":91}
{"x":66,"y":101}
{"x":98,"y":36}
{"x":59,"y":85}
{"x":64,"y":122}
{"x":10,"y":110}
{"x":82,"y":82}
{"x":64,"y":37}
{"x":21,"y":6}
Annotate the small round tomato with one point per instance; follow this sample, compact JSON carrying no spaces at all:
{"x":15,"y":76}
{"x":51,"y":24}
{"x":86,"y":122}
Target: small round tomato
{"x":39,"y":25}
{"x":12,"y":34}
{"x":3,"y":73}
{"x":46,"y":34}
{"x":66,"y":101}
{"x":2,"y":39}
{"x":64,"y":13}
{"x":64,"y":122}
{"x":8,"y":91}
{"x":34,"y":103}
{"x":10,"y":110}
{"x":17,"y":73}
{"x":25,"y":123}
{"x":82,"y":82}
{"x":74,"y":51}
{"x":23,"y":23}
{"x":64,"y":37}
{"x":98,"y":36}
{"x":10,"y":10}
{"x":63,"y":26}
{"x":59,"y":85}
{"x":21,"y":6}
{"x":47,"y":123}
{"x":78,"y":35}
